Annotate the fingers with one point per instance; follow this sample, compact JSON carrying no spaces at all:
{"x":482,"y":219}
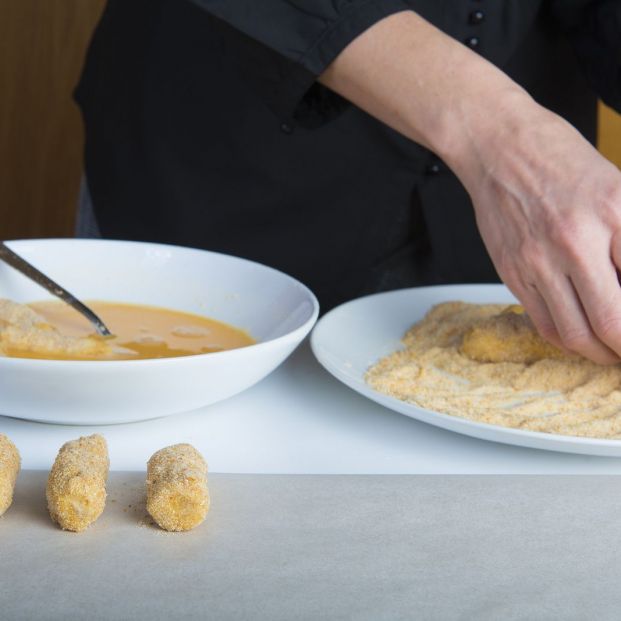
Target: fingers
{"x":555,"y":309}
{"x":577,"y":319}
{"x":538,"y":311}
{"x":601,"y":297}
{"x":615,"y":249}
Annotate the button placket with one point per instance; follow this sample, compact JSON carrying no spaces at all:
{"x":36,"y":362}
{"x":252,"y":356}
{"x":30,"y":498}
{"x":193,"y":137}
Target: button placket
{"x":475,"y":18}
{"x":472,"y":42}
{"x":433,"y":169}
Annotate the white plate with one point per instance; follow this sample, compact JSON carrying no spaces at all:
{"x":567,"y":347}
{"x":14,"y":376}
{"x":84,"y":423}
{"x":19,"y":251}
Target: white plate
{"x":353,"y":336}
{"x":277,"y":310}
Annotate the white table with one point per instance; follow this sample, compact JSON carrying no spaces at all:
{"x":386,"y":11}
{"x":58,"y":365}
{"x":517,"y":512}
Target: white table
{"x":311,"y":547}
{"x":300,"y":420}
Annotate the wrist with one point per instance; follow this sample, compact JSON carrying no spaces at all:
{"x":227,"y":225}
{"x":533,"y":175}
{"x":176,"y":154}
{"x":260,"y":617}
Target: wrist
{"x":488,"y":135}
{"x":483,"y":122}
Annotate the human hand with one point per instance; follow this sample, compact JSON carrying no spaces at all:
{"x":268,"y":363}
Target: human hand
{"x":548,"y":207}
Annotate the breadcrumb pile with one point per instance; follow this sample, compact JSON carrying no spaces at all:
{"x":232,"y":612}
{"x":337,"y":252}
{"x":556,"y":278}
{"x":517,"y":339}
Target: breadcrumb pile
{"x":486,"y":363}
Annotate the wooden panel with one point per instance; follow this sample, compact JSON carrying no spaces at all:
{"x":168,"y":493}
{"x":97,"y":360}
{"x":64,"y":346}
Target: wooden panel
{"x":609,"y":134}
{"x":42,"y":46}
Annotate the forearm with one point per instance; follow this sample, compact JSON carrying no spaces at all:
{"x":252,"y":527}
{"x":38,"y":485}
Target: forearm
{"x":426,"y":85}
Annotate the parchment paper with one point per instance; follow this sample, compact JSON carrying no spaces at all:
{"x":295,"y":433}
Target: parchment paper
{"x":326,"y":547}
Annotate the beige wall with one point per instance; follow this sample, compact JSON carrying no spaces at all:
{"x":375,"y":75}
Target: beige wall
{"x":42,"y":45}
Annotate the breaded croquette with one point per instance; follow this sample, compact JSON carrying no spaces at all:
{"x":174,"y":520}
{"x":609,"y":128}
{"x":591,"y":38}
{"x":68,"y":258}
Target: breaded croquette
{"x":76,"y":487}
{"x":9,"y":469}
{"x":24,"y":332}
{"x":177,"y":495}
{"x":507,"y":337}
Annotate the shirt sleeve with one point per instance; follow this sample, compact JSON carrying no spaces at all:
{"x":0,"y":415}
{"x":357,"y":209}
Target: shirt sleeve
{"x":282,"y":46}
{"x":594,"y":28}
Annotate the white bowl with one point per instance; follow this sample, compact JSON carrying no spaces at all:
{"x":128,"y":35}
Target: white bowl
{"x":277,"y":310}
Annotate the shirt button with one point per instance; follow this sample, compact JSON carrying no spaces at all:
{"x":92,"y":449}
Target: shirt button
{"x":433,"y":169}
{"x":472,"y":42}
{"x":285,"y":128}
{"x":476,"y":17}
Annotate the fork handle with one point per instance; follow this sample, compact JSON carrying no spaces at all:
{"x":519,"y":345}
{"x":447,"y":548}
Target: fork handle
{"x":21,"y":265}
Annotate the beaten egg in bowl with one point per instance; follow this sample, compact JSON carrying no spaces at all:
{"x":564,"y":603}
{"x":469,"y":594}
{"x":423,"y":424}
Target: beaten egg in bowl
{"x":53,"y":330}
{"x":268,"y":311}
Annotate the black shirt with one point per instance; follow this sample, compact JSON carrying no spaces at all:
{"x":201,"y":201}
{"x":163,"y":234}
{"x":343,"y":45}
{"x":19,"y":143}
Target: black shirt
{"x":205,"y":127}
